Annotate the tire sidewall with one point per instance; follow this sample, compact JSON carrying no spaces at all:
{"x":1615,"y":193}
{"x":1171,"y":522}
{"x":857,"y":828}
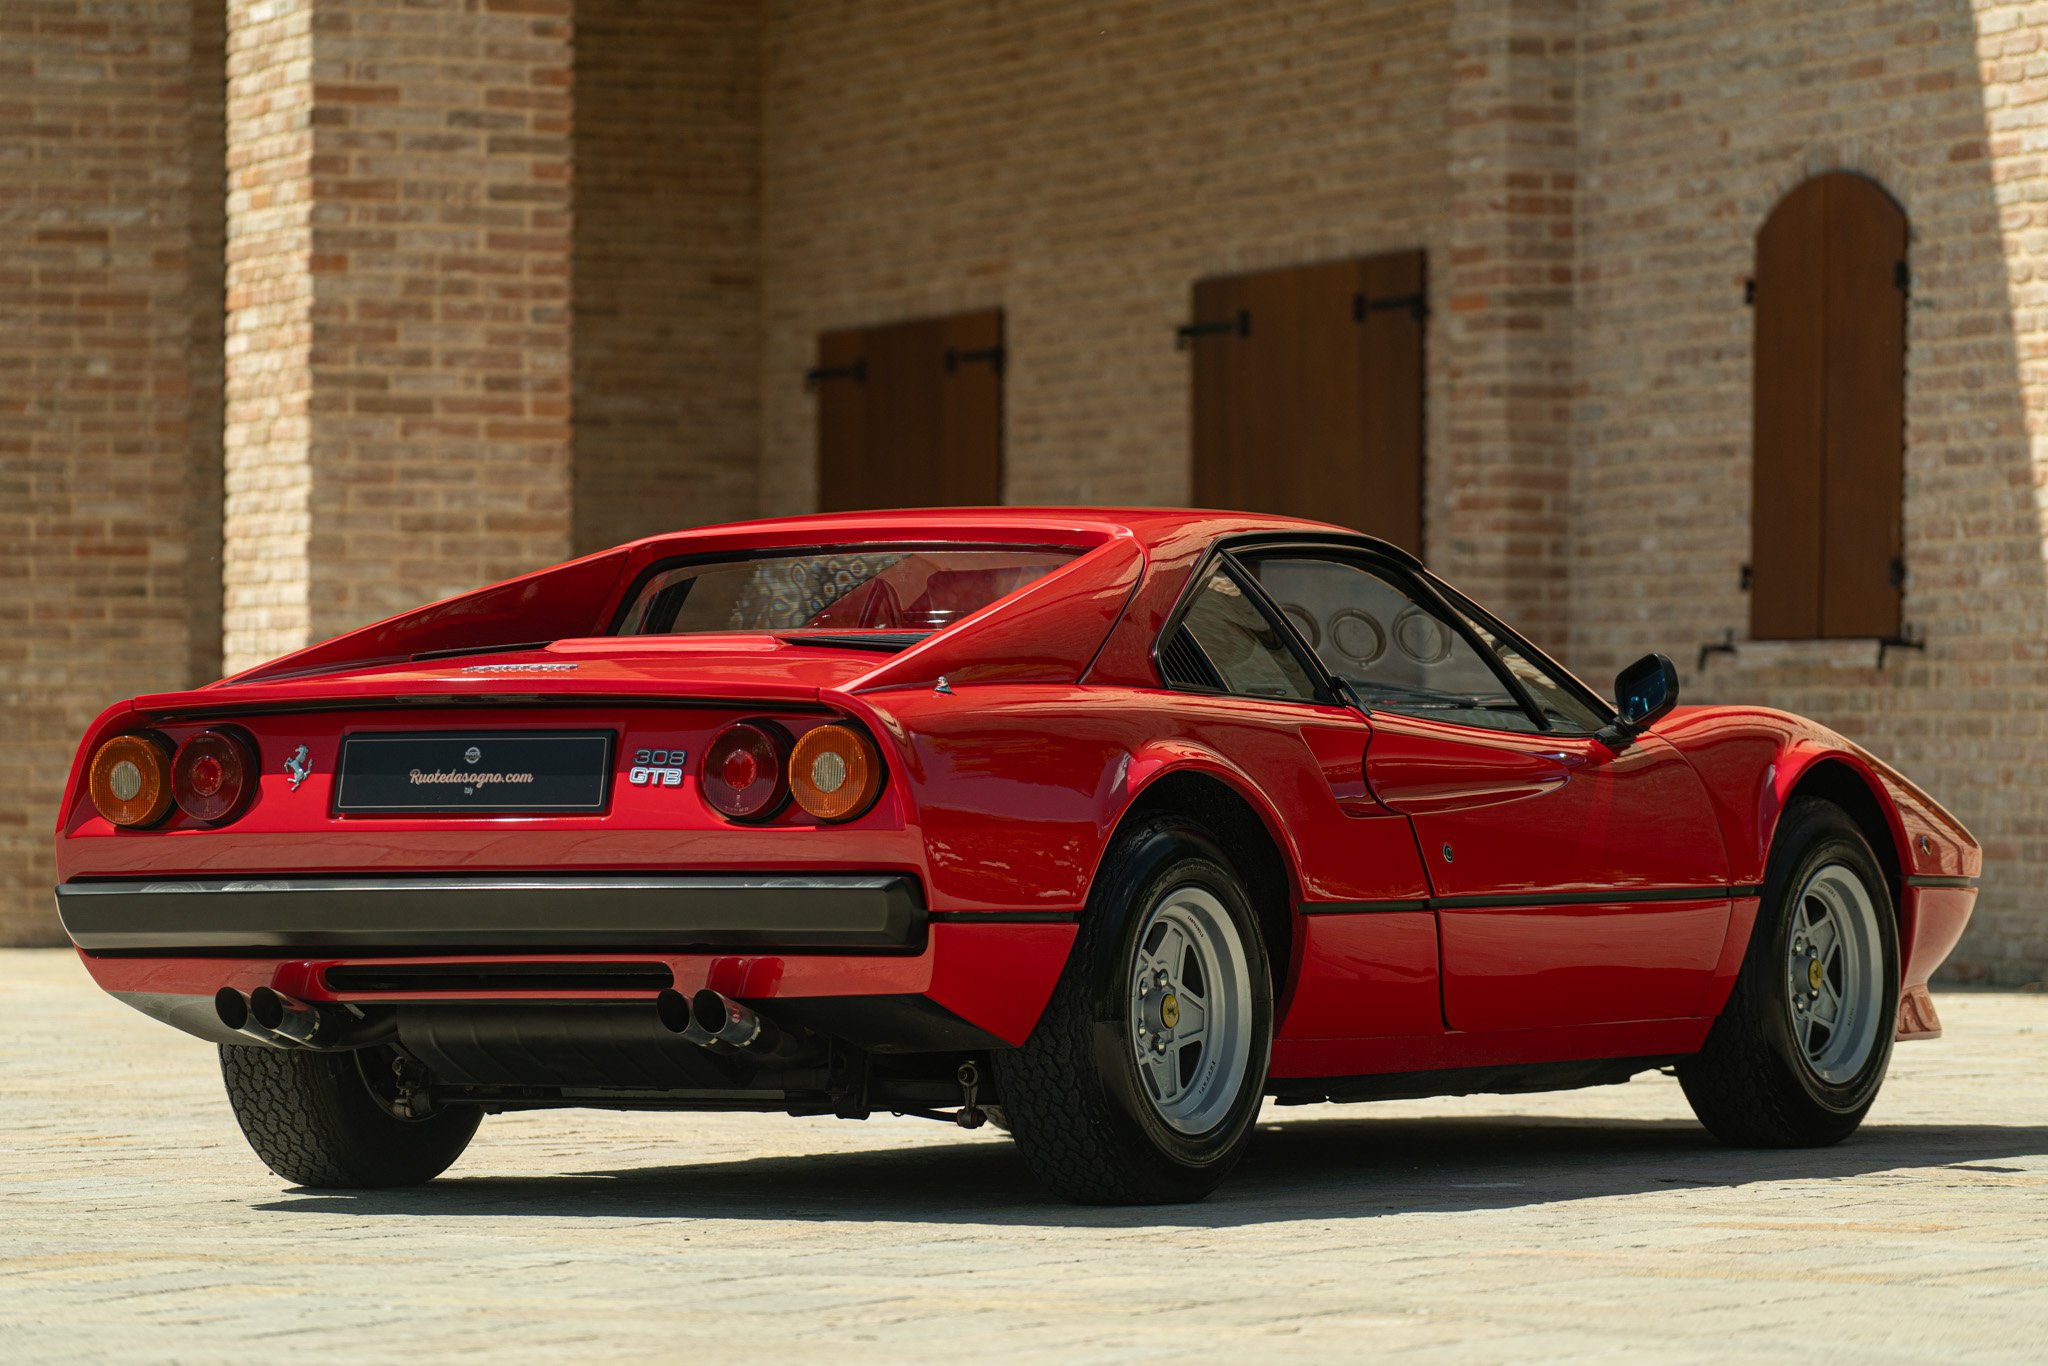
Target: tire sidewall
{"x":1822,"y":836}
{"x":1160,"y":859}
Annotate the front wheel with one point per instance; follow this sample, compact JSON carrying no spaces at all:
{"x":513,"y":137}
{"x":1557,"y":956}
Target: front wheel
{"x":1799,"y":1052}
{"x":314,"y":1120}
{"x":1144,"y":1076}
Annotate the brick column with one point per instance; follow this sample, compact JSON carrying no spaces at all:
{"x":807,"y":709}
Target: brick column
{"x":1501,"y":483}
{"x":398,"y":322}
{"x":109,"y":390}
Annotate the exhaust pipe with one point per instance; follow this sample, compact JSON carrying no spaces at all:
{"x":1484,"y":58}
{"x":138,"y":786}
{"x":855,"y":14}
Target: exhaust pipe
{"x":723,"y":1025}
{"x":269,"y":1016}
{"x":674,"y":1009}
{"x":233,"y":1009}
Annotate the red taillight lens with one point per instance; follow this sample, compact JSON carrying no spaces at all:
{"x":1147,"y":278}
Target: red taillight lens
{"x":130,"y":781}
{"x":835,"y":773}
{"x":743,"y":776}
{"x":213,"y":776}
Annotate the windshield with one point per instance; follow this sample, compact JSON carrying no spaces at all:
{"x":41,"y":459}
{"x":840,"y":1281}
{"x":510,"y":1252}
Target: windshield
{"x":835,"y":590}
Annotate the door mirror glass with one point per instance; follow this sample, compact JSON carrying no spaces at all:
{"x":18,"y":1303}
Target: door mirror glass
{"x":1645,"y":690}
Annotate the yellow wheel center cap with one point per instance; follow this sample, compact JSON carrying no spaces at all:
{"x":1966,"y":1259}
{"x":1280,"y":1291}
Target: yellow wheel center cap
{"x":1813,"y":974}
{"x":1169,"y":1010}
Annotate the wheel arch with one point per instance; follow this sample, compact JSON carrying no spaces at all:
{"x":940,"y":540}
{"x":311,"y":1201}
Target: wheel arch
{"x":1838,"y":780}
{"x":1247,"y":834}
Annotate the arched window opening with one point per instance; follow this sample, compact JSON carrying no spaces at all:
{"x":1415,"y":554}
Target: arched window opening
{"x":1828,"y":492}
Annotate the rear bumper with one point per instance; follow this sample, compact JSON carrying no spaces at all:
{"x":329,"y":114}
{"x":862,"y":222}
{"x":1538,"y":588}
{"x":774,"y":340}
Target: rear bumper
{"x":855,"y":955}
{"x":499,"y":913}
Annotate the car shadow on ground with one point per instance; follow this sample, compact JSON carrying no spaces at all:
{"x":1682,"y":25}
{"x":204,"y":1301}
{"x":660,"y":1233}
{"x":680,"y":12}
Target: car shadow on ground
{"x":1331,"y":1168}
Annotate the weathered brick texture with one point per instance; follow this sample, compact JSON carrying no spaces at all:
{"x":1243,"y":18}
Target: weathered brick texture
{"x":109,"y":390}
{"x":1695,"y":119}
{"x":398,"y":307}
{"x":667,"y":297}
{"x":1079,"y":166}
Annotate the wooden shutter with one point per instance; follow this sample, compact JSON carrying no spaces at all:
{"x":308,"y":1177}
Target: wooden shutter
{"x":1829,"y":414}
{"x":1307,"y":393}
{"x":911,"y":414}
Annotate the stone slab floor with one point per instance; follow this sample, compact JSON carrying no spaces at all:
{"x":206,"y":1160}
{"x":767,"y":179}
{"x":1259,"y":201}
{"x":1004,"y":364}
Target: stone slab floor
{"x":134,"y":1225}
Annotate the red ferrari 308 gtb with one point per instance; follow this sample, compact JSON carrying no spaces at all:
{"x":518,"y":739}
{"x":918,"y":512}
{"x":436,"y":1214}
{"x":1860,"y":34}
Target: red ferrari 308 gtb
{"x":1103,"y":824}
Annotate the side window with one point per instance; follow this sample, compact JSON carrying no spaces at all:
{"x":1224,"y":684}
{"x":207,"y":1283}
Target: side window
{"x":1247,"y":655}
{"x":1395,"y":649}
{"x":1559,"y":702}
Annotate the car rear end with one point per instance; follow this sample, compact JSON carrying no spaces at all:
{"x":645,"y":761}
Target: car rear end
{"x":663,"y":869}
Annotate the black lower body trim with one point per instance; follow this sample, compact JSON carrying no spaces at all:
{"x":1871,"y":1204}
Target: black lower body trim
{"x":1536,"y":900}
{"x":501,"y":912}
{"x":1927,"y":880}
{"x":1464,"y":1081}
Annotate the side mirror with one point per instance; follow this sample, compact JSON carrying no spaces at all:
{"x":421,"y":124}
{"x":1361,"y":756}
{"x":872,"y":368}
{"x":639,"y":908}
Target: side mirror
{"x":1643,"y":693}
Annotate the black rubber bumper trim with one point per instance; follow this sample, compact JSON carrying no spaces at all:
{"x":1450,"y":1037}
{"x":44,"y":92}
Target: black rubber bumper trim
{"x":870,"y":912}
{"x":1929,"y":880}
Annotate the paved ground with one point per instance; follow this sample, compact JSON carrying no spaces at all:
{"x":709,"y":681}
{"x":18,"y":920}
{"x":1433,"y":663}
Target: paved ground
{"x":135,"y":1225}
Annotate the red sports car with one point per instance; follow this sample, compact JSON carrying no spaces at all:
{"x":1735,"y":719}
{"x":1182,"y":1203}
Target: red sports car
{"x":1103,"y":824}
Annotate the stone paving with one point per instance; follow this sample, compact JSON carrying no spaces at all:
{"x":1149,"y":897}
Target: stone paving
{"x":135,"y":1225}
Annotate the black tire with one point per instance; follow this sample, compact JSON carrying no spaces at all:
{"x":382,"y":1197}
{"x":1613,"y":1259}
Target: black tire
{"x":1752,"y":1084}
{"x":1072,"y":1095}
{"x":312,"y":1119}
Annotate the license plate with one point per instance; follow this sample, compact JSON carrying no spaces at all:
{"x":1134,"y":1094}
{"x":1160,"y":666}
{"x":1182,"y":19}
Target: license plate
{"x":474,"y":773}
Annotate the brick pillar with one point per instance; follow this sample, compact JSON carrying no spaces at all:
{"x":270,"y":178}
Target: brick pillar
{"x":109,"y":389}
{"x":398,"y":322}
{"x":1499,"y":503}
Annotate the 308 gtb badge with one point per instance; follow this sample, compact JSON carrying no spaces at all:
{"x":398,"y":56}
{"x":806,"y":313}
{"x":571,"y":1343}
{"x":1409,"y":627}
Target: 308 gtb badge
{"x":657,"y":767}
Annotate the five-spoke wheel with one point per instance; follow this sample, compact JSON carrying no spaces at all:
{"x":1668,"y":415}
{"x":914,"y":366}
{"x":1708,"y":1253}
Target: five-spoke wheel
{"x":1145,"y":1073}
{"x":1191,"y":1006}
{"x":1798,"y":1053}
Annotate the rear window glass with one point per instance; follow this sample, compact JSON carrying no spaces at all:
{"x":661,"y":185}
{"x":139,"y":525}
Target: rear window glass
{"x":836,"y":590}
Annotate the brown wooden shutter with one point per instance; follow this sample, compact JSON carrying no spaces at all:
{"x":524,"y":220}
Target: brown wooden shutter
{"x":1864,"y":476}
{"x":1306,"y":393}
{"x":1829,"y":414}
{"x":911,"y":414}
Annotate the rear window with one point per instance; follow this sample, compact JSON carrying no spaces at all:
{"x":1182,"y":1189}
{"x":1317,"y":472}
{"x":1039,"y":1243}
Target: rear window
{"x":857,"y":588}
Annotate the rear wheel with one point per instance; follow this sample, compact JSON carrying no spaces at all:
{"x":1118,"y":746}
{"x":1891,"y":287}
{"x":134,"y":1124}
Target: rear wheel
{"x":315,"y":1121}
{"x":1144,"y":1076}
{"x":1798,"y":1055}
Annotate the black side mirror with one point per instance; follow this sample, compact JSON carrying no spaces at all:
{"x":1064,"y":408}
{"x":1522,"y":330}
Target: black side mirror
{"x":1643,"y":693}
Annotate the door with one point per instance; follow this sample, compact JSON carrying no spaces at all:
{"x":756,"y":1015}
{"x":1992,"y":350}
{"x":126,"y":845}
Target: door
{"x":1307,"y":393}
{"x":911,"y":414}
{"x":1571,"y":883}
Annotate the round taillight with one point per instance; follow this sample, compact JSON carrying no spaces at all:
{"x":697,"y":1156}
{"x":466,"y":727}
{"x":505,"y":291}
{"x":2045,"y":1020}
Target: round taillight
{"x":130,"y":781}
{"x":835,"y":773}
{"x":743,"y":775}
{"x":213,"y":776}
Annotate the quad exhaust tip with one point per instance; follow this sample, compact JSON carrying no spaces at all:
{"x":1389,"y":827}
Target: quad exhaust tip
{"x":717,"y":1022}
{"x":269,"y":1016}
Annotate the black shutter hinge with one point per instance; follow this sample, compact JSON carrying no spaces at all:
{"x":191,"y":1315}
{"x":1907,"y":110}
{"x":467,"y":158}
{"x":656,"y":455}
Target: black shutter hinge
{"x":1240,"y":326}
{"x":991,"y":356}
{"x":857,"y":371}
{"x":1898,"y":570}
{"x":1416,"y":304}
{"x":1724,"y":646}
{"x":1749,"y":291}
{"x":1902,"y":279}
{"x":1748,"y":577}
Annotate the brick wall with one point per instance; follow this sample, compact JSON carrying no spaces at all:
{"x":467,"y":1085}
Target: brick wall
{"x":1078,"y":165}
{"x":667,"y":296}
{"x":398,"y":307}
{"x":109,"y":389}
{"x":1695,"y":120}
